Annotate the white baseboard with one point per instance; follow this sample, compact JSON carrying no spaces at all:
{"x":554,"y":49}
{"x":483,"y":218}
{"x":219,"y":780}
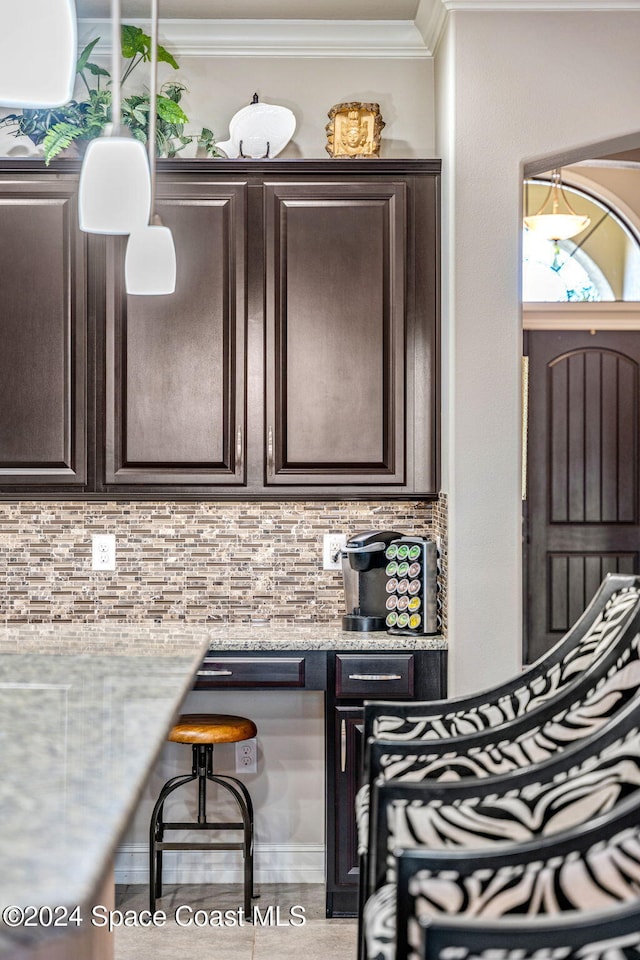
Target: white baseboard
{"x":273,"y":862}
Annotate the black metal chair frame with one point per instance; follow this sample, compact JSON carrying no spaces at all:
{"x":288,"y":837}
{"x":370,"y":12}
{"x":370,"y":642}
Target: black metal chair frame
{"x":202,"y":771}
{"x":522,"y":938}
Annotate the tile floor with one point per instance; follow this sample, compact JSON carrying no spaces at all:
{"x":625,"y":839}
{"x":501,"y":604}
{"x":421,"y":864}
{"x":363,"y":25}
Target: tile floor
{"x":316,"y":939}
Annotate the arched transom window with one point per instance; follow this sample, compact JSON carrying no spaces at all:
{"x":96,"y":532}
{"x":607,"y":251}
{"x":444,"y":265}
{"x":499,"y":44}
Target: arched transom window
{"x":601,"y":263}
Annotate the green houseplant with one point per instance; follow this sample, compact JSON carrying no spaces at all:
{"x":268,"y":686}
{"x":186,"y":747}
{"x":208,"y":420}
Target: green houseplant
{"x":80,"y":120}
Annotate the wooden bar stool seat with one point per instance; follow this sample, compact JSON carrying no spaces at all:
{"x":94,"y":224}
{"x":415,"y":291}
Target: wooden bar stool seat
{"x":202,"y":731}
{"x":212,"y":728}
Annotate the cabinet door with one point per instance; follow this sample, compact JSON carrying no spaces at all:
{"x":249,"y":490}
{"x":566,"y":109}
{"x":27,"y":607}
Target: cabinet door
{"x":348,"y":762}
{"x":175,"y":365}
{"x":335,"y":343}
{"x":43,"y":324}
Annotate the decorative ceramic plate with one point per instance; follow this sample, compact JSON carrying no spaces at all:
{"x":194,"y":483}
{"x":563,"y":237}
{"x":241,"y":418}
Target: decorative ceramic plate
{"x":259,"y":130}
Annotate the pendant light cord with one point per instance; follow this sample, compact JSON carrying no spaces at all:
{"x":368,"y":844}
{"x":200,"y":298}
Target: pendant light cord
{"x":116,"y":99}
{"x":153,"y":96}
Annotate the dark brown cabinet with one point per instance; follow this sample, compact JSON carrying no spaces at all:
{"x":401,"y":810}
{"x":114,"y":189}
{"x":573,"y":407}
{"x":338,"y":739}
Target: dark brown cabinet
{"x":335,"y":309}
{"x":43,"y":322}
{"x":353,"y":678}
{"x":175,"y":365}
{"x":298,"y":356}
{"x":348,"y":746}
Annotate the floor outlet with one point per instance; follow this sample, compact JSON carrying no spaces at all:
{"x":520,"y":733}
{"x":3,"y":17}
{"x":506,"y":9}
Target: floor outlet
{"x":247,"y":756}
{"x":103,"y":551}
{"x":332,"y":545}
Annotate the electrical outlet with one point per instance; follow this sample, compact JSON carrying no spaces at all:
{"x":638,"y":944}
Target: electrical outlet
{"x":332,"y":545}
{"x":103,"y":551}
{"x":247,"y":756}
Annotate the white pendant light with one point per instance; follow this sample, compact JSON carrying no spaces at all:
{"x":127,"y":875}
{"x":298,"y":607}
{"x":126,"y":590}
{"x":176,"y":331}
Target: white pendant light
{"x":38,"y":52}
{"x":114,"y":194}
{"x":150,"y":264}
{"x":556,"y":219}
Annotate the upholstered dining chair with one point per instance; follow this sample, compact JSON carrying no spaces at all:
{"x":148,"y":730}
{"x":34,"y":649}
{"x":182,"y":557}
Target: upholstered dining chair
{"x":590,"y":867}
{"x":576,"y":694}
{"x":543,"y":800}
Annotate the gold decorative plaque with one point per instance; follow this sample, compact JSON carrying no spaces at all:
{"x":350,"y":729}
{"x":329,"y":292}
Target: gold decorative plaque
{"x":354,"y":130}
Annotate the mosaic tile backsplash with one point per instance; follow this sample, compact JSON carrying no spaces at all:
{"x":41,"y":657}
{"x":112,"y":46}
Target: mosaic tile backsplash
{"x":197,"y":562}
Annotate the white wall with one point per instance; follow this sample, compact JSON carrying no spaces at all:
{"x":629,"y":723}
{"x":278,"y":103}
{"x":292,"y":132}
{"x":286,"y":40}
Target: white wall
{"x":310,"y":87}
{"x":506,"y":105}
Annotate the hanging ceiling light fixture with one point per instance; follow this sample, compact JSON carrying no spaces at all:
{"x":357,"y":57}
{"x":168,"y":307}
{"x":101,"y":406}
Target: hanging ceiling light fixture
{"x":38,"y":52}
{"x":115,"y":191}
{"x":556,"y":219}
{"x":150,"y":265}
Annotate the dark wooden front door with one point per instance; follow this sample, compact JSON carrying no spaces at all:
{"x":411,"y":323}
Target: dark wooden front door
{"x":582,"y":509}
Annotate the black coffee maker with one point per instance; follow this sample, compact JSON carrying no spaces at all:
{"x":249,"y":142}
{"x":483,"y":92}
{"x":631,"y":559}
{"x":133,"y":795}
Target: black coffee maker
{"x":365,"y":580}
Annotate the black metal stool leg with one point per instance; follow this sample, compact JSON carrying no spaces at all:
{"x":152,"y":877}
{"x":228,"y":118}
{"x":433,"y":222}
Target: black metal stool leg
{"x":202,"y":770}
{"x":247,"y":820}
{"x":156,"y":832}
{"x":202,"y":759}
{"x":250,"y":848}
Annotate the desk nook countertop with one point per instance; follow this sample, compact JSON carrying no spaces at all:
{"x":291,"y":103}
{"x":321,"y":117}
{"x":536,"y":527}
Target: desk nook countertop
{"x":258,"y":635}
{"x":84,"y":712}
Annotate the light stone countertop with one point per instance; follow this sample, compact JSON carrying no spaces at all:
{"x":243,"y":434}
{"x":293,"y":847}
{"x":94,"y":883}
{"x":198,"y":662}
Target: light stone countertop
{"x":313,"y":636}
{"x":84,"y":711}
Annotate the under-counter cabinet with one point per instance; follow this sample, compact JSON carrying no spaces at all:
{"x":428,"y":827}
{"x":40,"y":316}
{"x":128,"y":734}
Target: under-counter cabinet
{"x":353,"y":678}
{"x":298,"y":356}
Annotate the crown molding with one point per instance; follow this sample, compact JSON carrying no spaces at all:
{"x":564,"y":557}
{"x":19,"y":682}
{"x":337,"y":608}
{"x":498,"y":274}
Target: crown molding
{"x":614,"y":315}
{"x":431,"y":17}
{"x":397,"y":39}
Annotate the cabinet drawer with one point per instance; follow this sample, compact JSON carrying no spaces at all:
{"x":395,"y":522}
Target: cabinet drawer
{"x":375,"y":676}
{"x":251,"y":672}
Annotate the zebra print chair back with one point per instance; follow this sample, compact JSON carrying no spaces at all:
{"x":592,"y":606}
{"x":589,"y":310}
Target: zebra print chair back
{"x":557,"y":725}
{"x":590,"y":867}
{"x":543,"y":800}
{"x":610,"y":935}
{"x":557,"y":671}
